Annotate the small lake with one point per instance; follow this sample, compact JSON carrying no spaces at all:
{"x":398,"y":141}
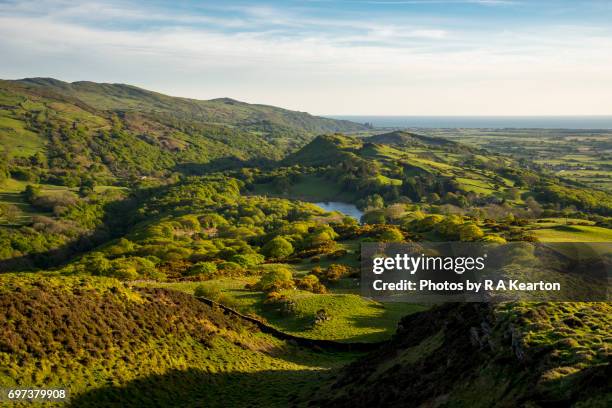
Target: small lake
{"x":345,"y":208}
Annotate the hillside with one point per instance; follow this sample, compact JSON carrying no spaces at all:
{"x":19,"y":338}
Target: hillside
{"x":431,"y":169}
{"x":54,"y":130}
{"x":109,"y":345}
{"x":478,"y":355}
{"x":408,"y":139}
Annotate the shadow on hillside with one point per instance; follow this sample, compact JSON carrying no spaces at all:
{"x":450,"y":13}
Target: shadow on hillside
{"x":222,"y":164}
{"x":198,"y":388}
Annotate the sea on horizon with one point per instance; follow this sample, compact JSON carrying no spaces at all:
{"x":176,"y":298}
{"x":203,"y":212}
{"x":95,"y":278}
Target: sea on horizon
{"x":486,"y":122}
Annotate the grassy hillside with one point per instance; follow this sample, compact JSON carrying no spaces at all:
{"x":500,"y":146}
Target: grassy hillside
{"x":376,"y":321}
{"x":431,"y":169}
{"x":65,"y":132}
{"x":404,"y":164}
{"x":109,"y":344}
{"x":476,"y":355}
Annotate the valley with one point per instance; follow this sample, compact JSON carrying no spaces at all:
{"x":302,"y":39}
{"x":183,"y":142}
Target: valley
{"x":120,"y":206}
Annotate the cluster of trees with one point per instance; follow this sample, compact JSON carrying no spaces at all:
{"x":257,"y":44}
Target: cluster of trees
{"x":203,"y":227}
{"x":585,"y":199}
{"x":451,"y":228}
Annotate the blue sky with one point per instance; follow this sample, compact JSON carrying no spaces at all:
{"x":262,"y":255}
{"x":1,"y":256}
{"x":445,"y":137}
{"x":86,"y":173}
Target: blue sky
{"x":394,"y":57}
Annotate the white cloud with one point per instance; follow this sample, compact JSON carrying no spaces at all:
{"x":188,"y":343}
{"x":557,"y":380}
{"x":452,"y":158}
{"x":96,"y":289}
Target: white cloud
{"x":319,"y":65}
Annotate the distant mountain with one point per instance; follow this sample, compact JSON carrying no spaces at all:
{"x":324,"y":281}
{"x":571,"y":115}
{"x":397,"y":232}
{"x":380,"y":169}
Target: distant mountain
{"x":59,"y":132}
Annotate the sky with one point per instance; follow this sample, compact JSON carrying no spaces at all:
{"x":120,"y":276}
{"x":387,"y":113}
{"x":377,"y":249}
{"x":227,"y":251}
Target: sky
{"x":362,"y":57}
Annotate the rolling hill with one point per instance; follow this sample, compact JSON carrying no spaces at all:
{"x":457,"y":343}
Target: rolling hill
{"x":51,"y":130}
{"x":112,"y":345}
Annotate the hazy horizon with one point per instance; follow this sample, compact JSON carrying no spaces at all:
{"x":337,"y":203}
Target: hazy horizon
{"x":568,"y":122}
{"x":417,"y":57}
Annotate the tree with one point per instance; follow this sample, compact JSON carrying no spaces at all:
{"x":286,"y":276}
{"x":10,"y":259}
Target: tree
{"x":375,"y":201}
{"x":534,"y":207}
{"x":433,"y":198}
{"x":247,"y":260}
{"x":31,"y":193}
{"x":279,"y":247}
{"x":203,"y":268}
{"x":276,"y":279}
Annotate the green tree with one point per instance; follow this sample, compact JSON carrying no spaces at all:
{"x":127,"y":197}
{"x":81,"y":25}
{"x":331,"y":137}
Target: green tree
{"x":277,"y":279}
{"x":278,"y":247}
{"x":203,"y":268}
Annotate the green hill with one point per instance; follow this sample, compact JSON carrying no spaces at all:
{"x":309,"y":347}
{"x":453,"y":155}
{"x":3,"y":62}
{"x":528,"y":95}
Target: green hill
{"x":404,"y":164}
{"x":226,"y":111}
{"x":407,"y":139}
{"x":326,"y":150}
{"x":59,"y":132}
{"x":110,"y":345}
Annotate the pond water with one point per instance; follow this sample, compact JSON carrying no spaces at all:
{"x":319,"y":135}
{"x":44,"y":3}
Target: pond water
{"x":345,"y":208}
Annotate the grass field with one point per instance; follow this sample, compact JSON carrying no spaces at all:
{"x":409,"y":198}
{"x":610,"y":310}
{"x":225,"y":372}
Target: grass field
{"x":18,"y":141}
{"x":579,"y":155}
{"x":353,"y":318}
{"x":574,"y":233}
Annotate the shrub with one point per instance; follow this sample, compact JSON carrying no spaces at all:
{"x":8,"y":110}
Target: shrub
{"x":230,"y":268}
{"x":311,"y":283}
{"x":279,"y":247}
{"x":374,"y":217}
{"x":275,"y":280}
{"x":272,"y":297}
{"x":247,"y":260}
{"x":493,"y":239}
{"x":337,"y":254}
{"x":335,"y":272}
{"x":470,"y":232}
{"x":207,"y":269}
{"x":391,"y":235}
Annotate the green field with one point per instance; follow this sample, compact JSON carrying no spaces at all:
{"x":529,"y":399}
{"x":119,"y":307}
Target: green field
{"x":574,"y":233}
{"x":353,"y":318}
{"x":18,"y":141}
